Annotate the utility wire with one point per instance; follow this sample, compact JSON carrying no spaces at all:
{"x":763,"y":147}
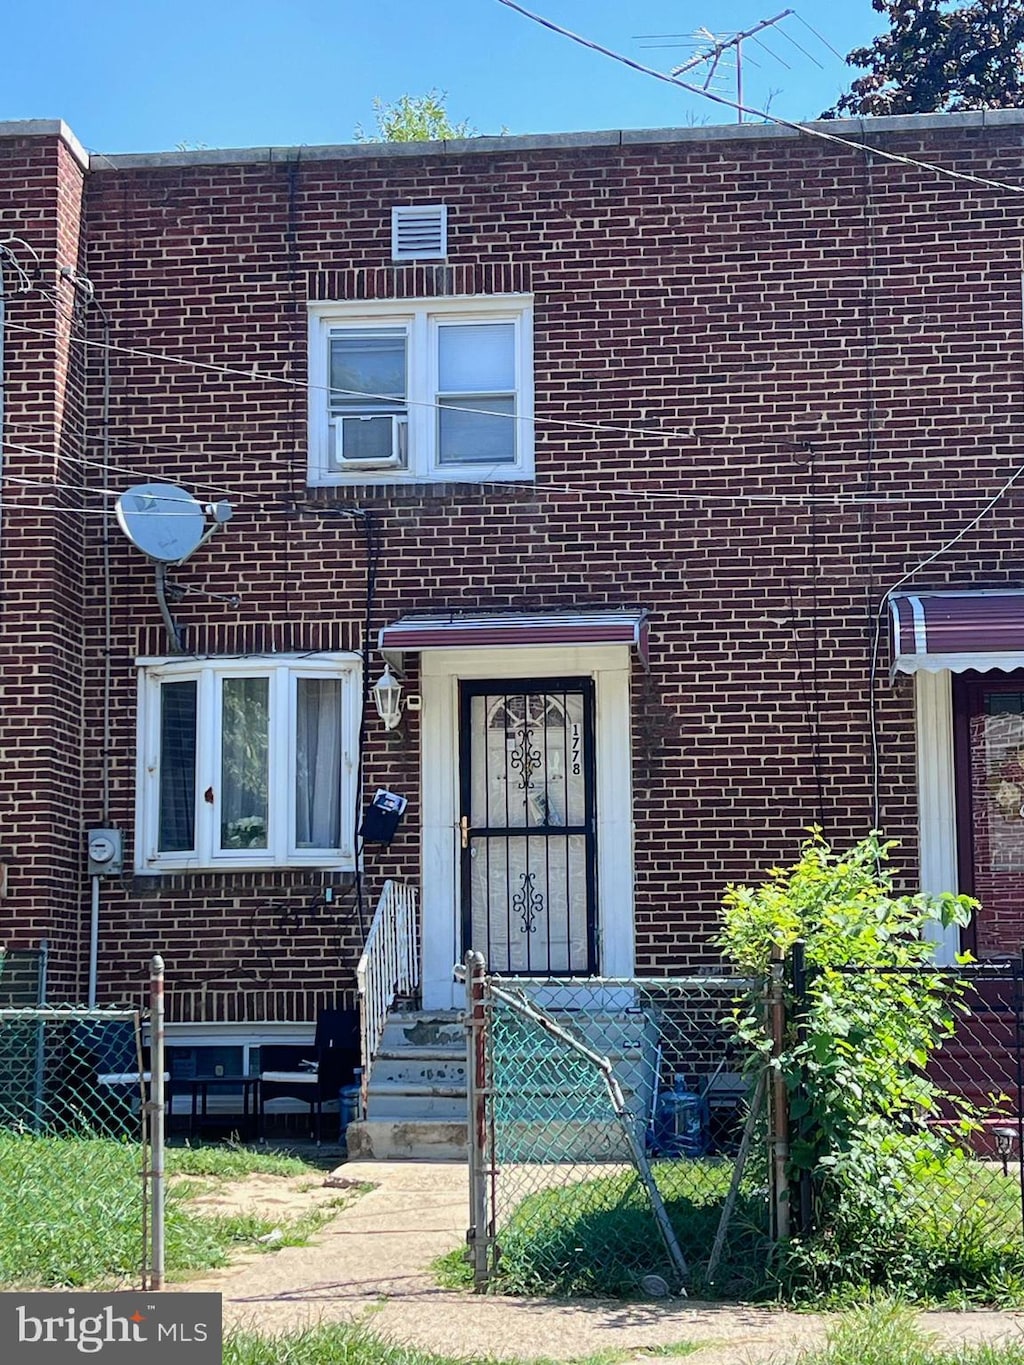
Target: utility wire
{"x":880,"y":619}
{"x":805,"y":129}
{"x":261,"y":376}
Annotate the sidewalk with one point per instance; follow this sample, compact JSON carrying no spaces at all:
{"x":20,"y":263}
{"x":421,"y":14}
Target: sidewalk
{"x":373,"y":1263}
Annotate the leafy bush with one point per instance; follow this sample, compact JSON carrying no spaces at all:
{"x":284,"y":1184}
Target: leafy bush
{"x":886,"y":1176}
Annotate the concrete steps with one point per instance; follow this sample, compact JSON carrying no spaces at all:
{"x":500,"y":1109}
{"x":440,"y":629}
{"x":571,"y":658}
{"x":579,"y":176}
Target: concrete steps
{"x":416,"y":1103}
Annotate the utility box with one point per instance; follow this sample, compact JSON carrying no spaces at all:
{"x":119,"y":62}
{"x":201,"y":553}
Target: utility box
{"x":105,"y":848}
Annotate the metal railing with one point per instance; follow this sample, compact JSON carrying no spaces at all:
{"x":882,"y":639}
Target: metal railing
{"x":388,"y":968}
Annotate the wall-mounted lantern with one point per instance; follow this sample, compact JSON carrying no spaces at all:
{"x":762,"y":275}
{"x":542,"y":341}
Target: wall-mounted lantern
{"x":387,"y":698}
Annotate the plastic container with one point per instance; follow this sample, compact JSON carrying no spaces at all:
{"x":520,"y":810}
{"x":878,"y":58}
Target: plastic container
{"x":680,"y":1124}
{"x":348,"y":1105}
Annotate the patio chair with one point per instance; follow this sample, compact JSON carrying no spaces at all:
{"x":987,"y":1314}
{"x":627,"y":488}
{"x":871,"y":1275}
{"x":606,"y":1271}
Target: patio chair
{"x":318,"y":1080}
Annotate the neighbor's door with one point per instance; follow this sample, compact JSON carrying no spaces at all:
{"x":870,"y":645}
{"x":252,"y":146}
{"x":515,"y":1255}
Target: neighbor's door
{"x":528,"y":825}
{"x":989,"y":739}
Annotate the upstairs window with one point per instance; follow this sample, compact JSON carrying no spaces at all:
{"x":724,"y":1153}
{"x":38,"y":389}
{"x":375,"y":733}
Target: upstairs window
{"x":247,"y":763}
{"x":438,"y":389}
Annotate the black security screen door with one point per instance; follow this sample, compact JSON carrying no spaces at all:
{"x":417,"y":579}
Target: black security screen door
{"x":528,"y":825}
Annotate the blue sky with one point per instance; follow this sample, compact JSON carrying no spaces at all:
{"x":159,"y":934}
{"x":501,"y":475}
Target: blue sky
{"x":145,"y":75}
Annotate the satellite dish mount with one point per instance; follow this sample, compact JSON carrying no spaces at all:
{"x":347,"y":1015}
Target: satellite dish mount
{"x":168,"y":525}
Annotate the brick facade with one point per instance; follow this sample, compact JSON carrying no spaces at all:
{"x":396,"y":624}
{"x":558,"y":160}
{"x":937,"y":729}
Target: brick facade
{"x":771,"y":374}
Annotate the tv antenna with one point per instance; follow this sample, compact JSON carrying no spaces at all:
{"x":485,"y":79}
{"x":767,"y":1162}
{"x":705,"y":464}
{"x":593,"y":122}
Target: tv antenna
{"x":168,"y":525}
{"x":714,"y":47}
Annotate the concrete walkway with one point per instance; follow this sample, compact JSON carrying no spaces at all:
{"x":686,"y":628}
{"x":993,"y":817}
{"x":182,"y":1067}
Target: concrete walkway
{"x":372,"y":1263}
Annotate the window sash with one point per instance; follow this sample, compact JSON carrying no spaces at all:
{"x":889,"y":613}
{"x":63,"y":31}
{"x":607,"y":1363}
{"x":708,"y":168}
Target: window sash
{"x":481,"y":424}
{"x":248,"y":805}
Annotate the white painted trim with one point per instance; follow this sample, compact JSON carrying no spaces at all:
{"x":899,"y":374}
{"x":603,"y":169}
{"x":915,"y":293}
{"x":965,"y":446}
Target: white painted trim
{"x":282,"y":672}
{"x":419,"y":316}
{"x":441,"y":671}
{"x":936,"y":796}
{"x":1003,"y":661}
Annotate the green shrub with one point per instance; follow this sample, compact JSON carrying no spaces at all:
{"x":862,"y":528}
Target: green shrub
{"x":887,"y":1180}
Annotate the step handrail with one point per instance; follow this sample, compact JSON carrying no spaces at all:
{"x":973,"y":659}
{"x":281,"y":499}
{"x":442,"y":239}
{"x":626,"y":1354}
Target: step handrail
{"x":388,"y":968}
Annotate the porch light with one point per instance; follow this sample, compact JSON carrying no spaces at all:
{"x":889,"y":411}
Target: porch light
{"x":387,"y":698}
{"x":1006,"y":1140}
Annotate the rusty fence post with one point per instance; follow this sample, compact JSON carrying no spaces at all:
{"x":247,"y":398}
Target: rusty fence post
{"x":477,"y":1096}
{"x":156,"y":1119}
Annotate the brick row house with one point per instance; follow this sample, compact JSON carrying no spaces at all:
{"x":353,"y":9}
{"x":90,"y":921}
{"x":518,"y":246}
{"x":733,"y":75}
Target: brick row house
{"x":624,"y":454}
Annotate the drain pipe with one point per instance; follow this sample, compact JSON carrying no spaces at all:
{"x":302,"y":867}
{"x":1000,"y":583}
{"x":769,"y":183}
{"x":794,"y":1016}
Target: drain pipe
{"x":3,"y":320}
{"x":94,"y":940}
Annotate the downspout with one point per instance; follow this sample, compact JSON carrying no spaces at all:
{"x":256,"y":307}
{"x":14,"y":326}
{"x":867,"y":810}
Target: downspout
{"x":3,"y":315}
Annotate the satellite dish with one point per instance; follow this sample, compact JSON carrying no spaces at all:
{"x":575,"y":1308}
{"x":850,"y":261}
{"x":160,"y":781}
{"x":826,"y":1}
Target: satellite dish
{"x":166,"y":523}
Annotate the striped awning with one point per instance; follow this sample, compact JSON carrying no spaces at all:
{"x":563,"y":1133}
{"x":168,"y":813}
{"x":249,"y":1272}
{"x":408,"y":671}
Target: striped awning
{"x":510,"y":630}
{"x":957,"y":631}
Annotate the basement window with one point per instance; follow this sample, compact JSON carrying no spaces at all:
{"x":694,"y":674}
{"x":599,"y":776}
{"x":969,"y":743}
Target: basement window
{"x":247,"y":763}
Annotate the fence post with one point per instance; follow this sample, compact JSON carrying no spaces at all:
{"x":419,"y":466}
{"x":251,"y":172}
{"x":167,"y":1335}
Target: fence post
{"x":156,"y":1118}
{"x":779,"y":1107}
{"x":1018,"y":1038}
{"x":805,"y":1216}
{"x":476,"y":1094}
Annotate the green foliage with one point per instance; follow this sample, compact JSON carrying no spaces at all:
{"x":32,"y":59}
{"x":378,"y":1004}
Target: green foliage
{"x":598,"y":1236}
{"x":938,"y":55}
{"x":332,"y":1344}
{"x":862,"y":1105}
{"x":71,"y":1211}
{"x":886,"y":1334}
{"x":414,"y":118}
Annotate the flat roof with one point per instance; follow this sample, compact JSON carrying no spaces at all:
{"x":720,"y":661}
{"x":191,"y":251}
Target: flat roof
{"x":855,"y":129}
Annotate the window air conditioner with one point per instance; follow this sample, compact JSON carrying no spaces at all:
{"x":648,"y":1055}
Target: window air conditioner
{"x":370,"y":440}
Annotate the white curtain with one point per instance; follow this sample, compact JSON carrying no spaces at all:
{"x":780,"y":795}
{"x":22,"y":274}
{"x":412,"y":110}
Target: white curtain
{"x":318,"y":763}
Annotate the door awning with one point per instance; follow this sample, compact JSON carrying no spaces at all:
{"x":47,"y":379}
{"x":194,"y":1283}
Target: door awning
{"x":505,"y":630}
{"x":957,"y":631}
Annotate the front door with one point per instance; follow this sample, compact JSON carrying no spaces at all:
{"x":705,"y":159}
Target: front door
{"x":989,"y":741}
{"x":528,"y":825}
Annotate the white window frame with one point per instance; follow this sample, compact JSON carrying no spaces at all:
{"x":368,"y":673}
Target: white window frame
{"x":283,"y":672}
{"x":421,"y":319}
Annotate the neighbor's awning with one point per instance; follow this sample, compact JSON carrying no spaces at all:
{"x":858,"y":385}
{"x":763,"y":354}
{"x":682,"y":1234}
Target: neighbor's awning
{"x":511,"y":630}
{"x":958,"y":631}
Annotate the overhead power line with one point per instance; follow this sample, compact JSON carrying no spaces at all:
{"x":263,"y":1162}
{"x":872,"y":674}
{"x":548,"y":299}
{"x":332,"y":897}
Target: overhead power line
{"x":807,"y":130}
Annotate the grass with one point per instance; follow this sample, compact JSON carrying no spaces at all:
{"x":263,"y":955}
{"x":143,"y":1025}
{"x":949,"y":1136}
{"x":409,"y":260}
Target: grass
{"x":882,"y":1335}
{"x":70,"y":1210}
{"x":886,"y":1335}
{"x":598,"y":1236}
{"x":355,"y":1344}
{"x":956,"y":1241}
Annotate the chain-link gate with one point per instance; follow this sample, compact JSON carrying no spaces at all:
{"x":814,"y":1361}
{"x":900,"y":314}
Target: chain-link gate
{"x":612,"y":1137}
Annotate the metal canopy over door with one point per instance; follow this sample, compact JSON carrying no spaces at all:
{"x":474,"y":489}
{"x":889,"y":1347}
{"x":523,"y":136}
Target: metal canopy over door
{"x":989,"y":742}
{"x":526,"y":774}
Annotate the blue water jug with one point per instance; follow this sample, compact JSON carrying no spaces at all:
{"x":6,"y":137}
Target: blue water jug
{"x":680,"y":1125}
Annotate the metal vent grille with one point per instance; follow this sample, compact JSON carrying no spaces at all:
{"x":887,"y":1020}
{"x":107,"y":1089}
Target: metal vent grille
{"x":419,"y":232}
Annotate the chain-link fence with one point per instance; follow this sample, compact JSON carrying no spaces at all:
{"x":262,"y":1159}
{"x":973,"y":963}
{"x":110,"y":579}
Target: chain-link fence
{"x":77,"y":1164}
{"x":939,"y":1052}
{"x":624,"y":1140}
{"x":614,"y":1131}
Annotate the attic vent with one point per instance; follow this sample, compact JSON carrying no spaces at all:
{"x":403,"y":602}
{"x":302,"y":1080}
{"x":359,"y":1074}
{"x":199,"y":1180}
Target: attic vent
{"x":419,"y":232}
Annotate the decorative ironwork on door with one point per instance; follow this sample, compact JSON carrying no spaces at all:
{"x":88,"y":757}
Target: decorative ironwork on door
{"x":528,"y":825}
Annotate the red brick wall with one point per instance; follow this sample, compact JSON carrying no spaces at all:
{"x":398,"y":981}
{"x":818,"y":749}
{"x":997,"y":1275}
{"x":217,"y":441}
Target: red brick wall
{"x":751,"y":322}
{"x":42,"y":563}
